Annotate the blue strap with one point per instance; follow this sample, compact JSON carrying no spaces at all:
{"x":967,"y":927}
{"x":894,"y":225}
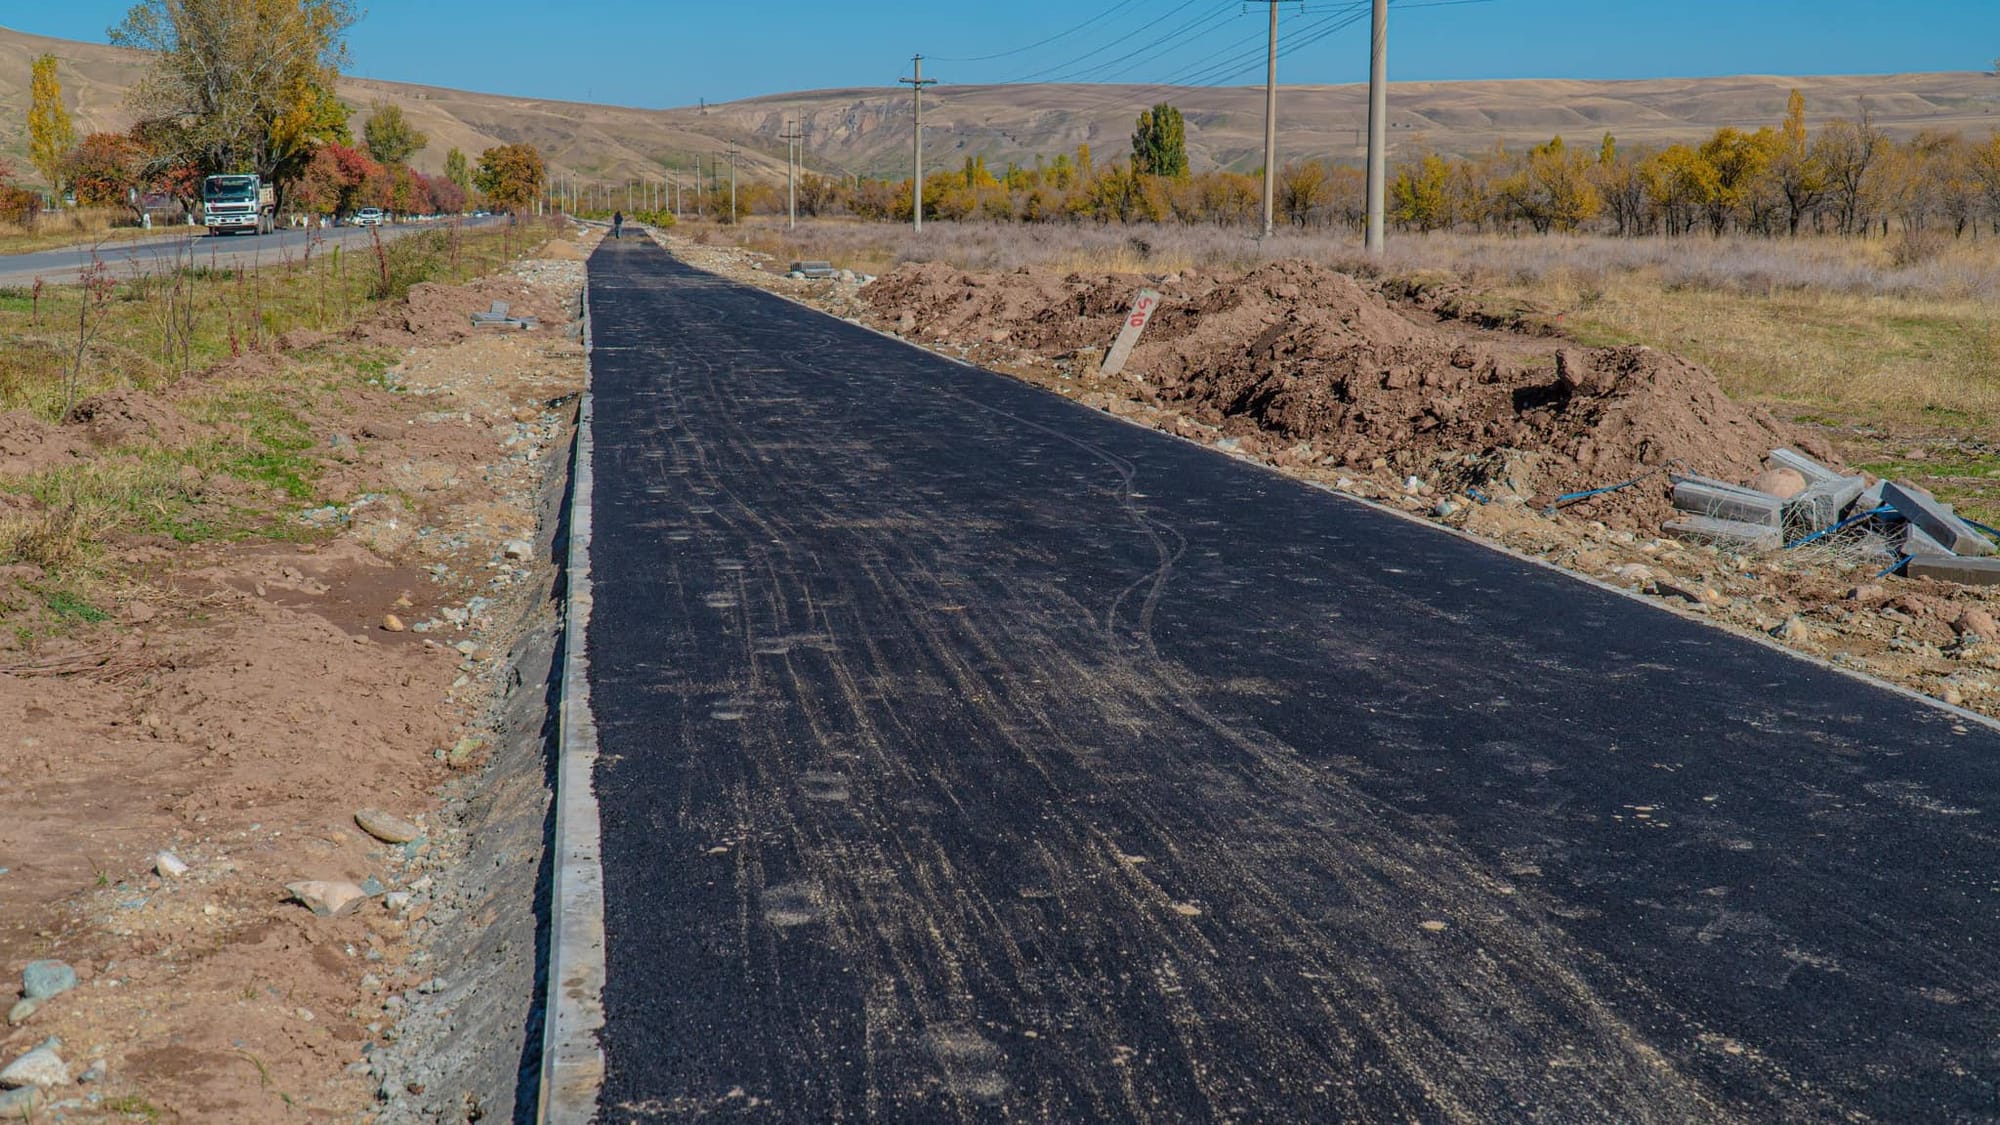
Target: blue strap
{"x":1842,"y":526}
{"x":1569,"y":498}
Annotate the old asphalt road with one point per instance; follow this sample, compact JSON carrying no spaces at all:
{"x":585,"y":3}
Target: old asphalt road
{"x":973,"y":756}
{"x":126,"y":258}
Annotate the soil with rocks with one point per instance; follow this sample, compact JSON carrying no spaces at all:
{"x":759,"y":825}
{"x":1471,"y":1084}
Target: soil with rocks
{"x":173,"y":769}
{"x":1427,"y":396}
{"x":1295,"y":354}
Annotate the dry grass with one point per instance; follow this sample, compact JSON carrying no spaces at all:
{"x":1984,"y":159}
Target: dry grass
{"x":87,"y":226}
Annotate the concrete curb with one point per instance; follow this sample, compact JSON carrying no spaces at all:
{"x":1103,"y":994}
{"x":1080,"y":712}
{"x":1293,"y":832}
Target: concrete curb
{"x":573,"y":1009}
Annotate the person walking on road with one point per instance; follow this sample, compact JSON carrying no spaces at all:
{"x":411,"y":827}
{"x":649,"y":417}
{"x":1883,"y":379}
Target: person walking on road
{"x":617,"y":223}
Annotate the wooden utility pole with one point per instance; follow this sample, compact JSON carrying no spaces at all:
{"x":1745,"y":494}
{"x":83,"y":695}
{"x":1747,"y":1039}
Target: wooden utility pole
{"x":794,"y":154}
{"x":1271,"y":127}
{"x":1378,"y":127}
{"x":916,"y":85}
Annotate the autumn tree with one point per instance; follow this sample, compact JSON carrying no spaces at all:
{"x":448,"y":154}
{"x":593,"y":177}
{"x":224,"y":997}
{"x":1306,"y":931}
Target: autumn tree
{"x":1740,"y":161}
{"x":239,"y":85}
{"x":1421,"y":195}
{"x":816,"y":194}
{"x":1302,"y":190}
{"x":1554,"y":191}
{"x":512,"y":176}
{"x":50,"y":131}
{"x":1848,"y":152}
{"x":390,"y":137}
{"x":1983,"y":163}
{"x":104,"y":169}
{"x":1159,"y":144}
{"x":1796,"y":169}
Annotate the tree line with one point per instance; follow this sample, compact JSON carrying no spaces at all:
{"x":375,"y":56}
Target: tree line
{"x":1846,"y":177}
{"x":247,"y":86}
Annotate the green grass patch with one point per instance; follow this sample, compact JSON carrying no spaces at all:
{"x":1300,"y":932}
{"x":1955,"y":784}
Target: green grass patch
{"x":68,"y":605}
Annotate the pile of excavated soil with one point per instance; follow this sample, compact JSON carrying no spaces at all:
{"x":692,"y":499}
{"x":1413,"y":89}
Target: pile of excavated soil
{"x":442,"y":314}
{"x":28,"y":445}
{"x":1293,"y":353}
{"x":126,"y":416}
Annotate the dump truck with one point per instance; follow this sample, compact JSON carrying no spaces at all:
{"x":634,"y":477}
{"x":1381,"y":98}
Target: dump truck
{"x":238,"y":203}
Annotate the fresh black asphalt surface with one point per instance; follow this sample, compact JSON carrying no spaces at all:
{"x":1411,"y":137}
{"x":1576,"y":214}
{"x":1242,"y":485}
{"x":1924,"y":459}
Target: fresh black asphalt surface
{"x":970,"y":755}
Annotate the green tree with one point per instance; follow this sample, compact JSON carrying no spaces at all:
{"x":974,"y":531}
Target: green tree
{"x":1159,"y":144}
{"x":239,"y":85}
{"x":50,"y":132}
{"x":391,"y":138}
{"x":456,"y":170}
{"x":512,"y":177}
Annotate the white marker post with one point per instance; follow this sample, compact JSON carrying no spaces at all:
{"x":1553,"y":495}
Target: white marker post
{"x":1128,"y":337}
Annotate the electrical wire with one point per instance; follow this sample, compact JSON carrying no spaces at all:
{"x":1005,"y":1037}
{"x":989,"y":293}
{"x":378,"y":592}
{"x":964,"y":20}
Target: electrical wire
{"x":1098,"y":18}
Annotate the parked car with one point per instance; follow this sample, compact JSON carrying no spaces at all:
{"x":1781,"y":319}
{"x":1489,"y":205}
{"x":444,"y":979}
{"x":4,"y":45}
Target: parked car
{"x":369,"y":217}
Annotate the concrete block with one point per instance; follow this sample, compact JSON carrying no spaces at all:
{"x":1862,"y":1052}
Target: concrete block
{"x":1870,"y":498}
{"x":1813,"y":471}
{"x":1971,"y":572}
{"x":1822,"y":504}
{"x":1937,"y":520}
{"x":1729,"y":502}
{"x":1918,"y":544}
{"x":1726,"y":533}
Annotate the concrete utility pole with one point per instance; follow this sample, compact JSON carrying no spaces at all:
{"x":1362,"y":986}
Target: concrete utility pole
{"x":916,"y":86}
{"x":1271,"y":127}
{"x":1378,"y":127}
{"x":794,"y":154}
{"x":732,"y":182}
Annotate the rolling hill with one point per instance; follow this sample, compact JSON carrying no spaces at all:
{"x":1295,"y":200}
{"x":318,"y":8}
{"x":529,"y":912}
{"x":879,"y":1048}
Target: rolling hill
{"x":866,"y":130}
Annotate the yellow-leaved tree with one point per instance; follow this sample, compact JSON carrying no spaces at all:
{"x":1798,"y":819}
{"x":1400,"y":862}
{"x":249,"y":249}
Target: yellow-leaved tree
{"x":51,"y":134}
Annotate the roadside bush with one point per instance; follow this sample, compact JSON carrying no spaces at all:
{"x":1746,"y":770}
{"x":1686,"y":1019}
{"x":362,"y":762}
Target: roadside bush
{"x":18,"y":206}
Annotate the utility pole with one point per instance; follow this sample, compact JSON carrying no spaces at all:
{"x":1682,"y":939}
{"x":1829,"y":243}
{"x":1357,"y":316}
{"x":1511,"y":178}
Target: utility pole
{"x":916,"y":85}
{"x":1271,"y":126}
{"x":1378,"y":127}
{"x":794,"y":140}
{"x":733,"y":181}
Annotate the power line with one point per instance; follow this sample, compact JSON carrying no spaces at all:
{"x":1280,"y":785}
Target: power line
{"x":1098,"y":18}
{"x":1111,"y":46}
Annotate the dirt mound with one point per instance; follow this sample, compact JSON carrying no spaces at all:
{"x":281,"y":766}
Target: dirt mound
{"x":28,"y":445}
{"x":563,"y":249}
{"x":126,"y":417}
{"x":1293,"y":353}
{"x":442,"y":314}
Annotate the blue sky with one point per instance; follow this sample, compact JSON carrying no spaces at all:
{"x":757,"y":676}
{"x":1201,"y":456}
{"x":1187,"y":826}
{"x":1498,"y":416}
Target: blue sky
{"x":650,"y":53}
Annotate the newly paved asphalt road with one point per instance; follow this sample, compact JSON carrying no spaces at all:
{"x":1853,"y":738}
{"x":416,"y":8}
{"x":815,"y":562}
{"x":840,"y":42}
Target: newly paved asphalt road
{"x":197,"y":245}
{"x":973,"y":756}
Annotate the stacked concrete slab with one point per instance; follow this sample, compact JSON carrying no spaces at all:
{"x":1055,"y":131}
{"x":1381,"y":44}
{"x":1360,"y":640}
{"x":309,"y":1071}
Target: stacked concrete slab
{"x":1923,"y":530}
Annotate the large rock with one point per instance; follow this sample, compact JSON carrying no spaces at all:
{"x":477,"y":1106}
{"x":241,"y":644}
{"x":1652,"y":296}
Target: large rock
{"x":1780,"y":482}
{"x":327,"y":898}
{"x":43,"y":979}
{"x":387,"y":827}
{"x":41,"y":1067}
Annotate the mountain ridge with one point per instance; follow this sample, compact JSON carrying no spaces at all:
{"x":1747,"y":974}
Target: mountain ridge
{"x":866,"y":130}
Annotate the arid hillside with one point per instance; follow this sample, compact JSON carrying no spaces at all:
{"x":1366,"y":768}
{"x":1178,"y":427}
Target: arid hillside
{"x":866,"y":129}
